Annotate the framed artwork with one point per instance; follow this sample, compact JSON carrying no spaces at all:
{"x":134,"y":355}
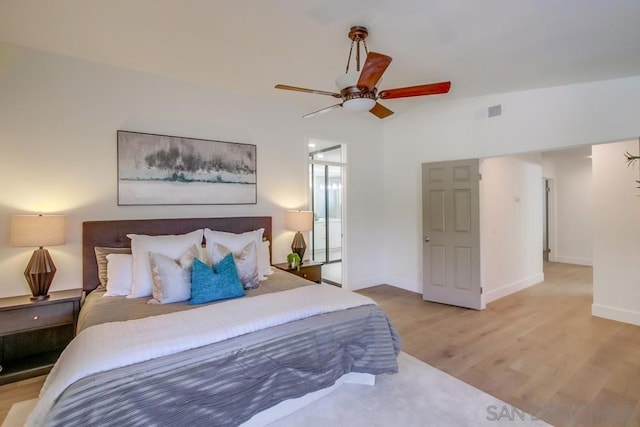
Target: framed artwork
{"x":172,"y":170}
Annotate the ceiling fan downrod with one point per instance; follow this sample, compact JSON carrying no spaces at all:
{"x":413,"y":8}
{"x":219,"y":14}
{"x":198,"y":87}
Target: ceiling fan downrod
{"x":357,"y":34}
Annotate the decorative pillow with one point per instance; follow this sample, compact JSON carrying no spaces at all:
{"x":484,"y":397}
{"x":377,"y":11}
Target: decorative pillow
{"x":101,"y":260}
{"x":172,"y":246}
{"x":246,"y":262}
{"x":235,"y":242}
{"x":214,"y":284}
{"x":264,"y":260}
{"x":119,"y":274}
{"x":171,"y":278}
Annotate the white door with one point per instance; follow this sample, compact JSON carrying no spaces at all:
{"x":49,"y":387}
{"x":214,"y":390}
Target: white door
{"x":451,"y":233}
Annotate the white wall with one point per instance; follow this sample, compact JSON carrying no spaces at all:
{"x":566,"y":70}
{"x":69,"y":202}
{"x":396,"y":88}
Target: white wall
{"x":616,"y":282}
{"x":59,"y":118}
{"x":571,"y":170}
{"x":448,"y":129}
{"x":364,"y":213}
{"x":510,"y":224}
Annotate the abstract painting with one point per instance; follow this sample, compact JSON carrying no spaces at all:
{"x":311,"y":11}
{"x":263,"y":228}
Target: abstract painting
{"x":172,"y":170}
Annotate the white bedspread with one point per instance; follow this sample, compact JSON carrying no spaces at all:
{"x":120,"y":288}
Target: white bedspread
{"x":113,"y":345}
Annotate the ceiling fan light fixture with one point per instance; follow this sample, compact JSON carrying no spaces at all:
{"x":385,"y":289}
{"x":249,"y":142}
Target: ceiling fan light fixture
{"x":359,"y":105}
{"x":355,"y":100}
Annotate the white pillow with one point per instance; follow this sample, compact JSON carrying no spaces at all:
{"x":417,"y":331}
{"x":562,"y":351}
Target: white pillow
{"x":264,"y":260}
{"x":171,"y":277}
{"x":172,"y":246}
{"x":234,"y":241}
{"x":237,"y":241}
{"x":119,"y":274}
{"x":246,"y":262}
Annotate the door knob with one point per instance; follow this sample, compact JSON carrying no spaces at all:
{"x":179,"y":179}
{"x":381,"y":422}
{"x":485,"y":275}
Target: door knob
{"x":427,"y":239}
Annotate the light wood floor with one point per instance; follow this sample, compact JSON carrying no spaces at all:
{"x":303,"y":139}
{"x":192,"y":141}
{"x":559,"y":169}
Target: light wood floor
{"x":539,"y":349}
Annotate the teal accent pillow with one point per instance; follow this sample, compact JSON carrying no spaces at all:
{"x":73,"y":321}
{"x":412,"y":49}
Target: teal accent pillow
{"x":217,"y":283}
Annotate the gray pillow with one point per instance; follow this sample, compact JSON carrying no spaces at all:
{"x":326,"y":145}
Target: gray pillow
{"x":101,"y":259}
{"x":246,"y":262}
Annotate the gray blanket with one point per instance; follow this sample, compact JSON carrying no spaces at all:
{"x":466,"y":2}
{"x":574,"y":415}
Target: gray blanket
{"x":226,"y":383}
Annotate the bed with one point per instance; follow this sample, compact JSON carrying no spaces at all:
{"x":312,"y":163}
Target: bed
{"x":223,"y":363}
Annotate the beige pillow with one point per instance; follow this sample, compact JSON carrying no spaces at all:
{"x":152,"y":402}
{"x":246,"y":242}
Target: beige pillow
{"x":171,"y":277}
{"x":101,"y":259}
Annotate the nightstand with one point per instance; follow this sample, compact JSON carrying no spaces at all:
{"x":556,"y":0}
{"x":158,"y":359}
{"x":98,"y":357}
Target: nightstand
{"x":310,"y":270}
{"x":34,"y":333}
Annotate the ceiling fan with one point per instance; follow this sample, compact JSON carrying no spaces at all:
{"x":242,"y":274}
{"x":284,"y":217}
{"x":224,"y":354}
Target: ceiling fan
{"x":358,"y":89}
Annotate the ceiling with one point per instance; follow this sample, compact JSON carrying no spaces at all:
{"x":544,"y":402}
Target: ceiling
{"x":247,"y":46}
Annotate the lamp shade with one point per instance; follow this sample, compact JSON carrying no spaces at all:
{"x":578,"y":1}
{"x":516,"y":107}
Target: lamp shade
{"x":38,"y":230}
{"x":299,"y":220}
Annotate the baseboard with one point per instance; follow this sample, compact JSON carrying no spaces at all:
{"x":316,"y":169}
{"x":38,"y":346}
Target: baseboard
{"x":512,"y":288}
{"x":614,"y":313}
{"x":574,"y":260}
{"x":397,"y":282}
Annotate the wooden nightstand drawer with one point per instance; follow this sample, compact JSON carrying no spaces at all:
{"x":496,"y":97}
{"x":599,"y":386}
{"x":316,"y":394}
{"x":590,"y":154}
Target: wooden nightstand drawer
{"x":41,"y":316}
{"x":312,"y":274}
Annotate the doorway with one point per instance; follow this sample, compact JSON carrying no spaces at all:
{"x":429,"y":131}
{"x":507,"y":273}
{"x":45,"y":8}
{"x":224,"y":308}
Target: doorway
{"x":326,"y":176}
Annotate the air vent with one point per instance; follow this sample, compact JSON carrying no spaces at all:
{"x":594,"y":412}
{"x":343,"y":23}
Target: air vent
{"x":495,"y":110}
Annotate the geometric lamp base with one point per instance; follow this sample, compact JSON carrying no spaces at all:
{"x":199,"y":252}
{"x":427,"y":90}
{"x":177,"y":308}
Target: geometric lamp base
{"x":39,"y":273}
{"x":298,"y":245}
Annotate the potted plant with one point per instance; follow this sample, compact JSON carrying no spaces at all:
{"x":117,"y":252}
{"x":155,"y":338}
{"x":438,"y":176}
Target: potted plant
{"x":294,"y":260}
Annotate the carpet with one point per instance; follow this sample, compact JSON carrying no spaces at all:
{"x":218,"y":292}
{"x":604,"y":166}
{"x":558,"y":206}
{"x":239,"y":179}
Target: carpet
{"x":419,"y":395}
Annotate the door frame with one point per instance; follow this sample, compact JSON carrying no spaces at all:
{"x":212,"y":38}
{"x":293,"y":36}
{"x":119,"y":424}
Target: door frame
{"x":551,"y":219}
{"x":343,"y":209}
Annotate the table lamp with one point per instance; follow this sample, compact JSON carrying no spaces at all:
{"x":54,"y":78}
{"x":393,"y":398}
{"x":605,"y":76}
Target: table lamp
{"x":39,"y":231}
{"x":299,"y":221}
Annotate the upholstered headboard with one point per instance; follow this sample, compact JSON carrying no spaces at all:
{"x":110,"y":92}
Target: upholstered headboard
{"x":113,"y":233}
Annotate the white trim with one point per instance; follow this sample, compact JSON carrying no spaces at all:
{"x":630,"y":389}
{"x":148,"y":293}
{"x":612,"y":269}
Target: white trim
{"x":614,"y":313}
{"x":513,"y":288}
{"x":574,"y":260}
{"x":553,"y":219}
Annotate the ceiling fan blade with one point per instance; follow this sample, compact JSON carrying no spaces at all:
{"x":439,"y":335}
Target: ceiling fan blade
{"x":324,"y":110}
{"x":373,"y":68}
{"x":380,"y":111}
{"x":302,"y":89}
{"x":405,"y":92}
